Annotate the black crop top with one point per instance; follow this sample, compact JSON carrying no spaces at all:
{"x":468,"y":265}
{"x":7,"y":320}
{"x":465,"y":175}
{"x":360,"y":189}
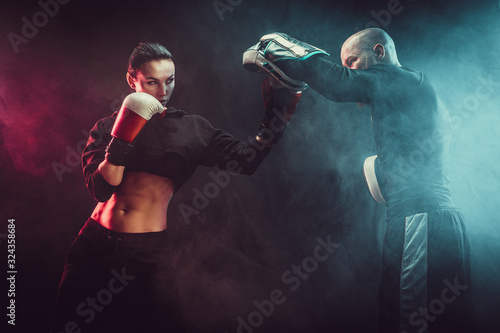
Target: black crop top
{"x":170,"y":147}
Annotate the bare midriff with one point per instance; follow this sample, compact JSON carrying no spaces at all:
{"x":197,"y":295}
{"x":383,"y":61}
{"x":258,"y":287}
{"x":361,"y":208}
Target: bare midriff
{"x":139,"y":205}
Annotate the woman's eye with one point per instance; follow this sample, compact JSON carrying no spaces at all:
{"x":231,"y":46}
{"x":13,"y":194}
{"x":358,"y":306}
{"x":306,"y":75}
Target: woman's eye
{"x":152,"y":83}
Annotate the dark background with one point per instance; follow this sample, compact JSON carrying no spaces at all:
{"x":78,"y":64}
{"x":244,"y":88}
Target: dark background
{"x":71,"y":72}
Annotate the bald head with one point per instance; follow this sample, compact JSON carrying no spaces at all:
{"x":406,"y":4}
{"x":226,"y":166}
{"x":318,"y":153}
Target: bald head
{"x":367,"y":48}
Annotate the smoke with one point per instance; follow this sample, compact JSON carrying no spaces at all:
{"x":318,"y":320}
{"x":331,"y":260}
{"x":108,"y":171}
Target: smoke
{"x":464,"y":67}
{"x":236,"y":250}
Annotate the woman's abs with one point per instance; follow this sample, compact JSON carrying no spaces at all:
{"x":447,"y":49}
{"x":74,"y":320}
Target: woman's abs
{"x":139,"y":205}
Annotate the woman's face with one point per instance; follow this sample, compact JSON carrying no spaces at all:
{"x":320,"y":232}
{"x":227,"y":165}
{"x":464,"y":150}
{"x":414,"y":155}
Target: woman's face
{"x":156,"y":78}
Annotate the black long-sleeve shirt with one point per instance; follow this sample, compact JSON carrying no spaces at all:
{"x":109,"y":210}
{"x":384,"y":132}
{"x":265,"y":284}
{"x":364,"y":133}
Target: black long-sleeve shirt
{"x":171,"y":147}
{"x":411,"y":129}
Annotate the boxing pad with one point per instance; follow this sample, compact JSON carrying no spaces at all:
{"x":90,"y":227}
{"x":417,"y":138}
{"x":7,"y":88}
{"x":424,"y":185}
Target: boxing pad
{"x":372,"y":179}
{"x":272,"y":50}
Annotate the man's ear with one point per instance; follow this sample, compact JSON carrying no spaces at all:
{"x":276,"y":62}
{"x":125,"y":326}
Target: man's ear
{"x":379,"y":51}
{"x":131,"y":81}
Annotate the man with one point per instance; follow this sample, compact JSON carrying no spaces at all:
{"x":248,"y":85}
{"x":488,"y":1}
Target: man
{"x":425,"y":278}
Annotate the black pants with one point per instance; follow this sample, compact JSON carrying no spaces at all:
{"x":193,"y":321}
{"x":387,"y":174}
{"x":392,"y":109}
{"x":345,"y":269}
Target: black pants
{"x":426,"y":284}
{"x":117,"y":282}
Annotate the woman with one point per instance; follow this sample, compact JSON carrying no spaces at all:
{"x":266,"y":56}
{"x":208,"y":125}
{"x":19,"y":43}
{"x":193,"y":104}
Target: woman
{"x":116,"y":277}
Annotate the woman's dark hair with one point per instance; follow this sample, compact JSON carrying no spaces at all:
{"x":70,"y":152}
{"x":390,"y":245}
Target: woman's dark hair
{"x":145,"y":52}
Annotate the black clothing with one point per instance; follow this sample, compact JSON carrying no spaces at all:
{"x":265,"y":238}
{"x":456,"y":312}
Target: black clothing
{"x":426,"y":275}
{"x":171,"y":147}
{"x":411,"y":130}
{"x":118,"y":282}
{"x":426,"y":242}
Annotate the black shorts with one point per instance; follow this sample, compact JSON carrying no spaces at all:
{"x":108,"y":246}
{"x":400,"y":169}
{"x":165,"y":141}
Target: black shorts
{"x":426,"y":282}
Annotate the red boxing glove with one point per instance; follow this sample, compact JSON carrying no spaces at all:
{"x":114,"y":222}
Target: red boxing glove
{"x":280,"y":104}
{"x":137,"y":108}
